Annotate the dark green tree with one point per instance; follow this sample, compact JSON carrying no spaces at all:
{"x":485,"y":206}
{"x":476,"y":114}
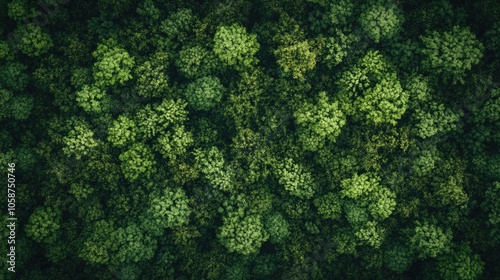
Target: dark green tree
{"x":451,"y":53}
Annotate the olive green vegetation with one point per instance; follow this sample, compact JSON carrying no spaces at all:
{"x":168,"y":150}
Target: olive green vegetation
{"x":238,"y":139}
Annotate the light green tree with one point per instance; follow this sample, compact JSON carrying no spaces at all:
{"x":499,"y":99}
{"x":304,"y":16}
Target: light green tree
{"x":33,"y":41}
{"x":242,"y":234}
{"x":386,"y":102}
{"x":461,"y":263}
{"x":296,"y":58}
{"x":123,"y":131}
{"x":174,"y":143}
{"x":337,"y":48}
{"x":235,"y":47}
{"x":204,"y":93}
{"x":114,"y":64}
{"x":153,"y":119}
{"x":371,"y":234}
{"x":44,"y":224}
{"x":295,"y":179}
{"x":319,"y":123}
{"x":170,"y":209}
{"x":215,"y":169}
{"x":93,"y":99}
{"x":359,"y":185}
{"x":429,"y":240}
{"x":369,"y":196}
{"x":434,"y":118}
{"x":196,"y":61}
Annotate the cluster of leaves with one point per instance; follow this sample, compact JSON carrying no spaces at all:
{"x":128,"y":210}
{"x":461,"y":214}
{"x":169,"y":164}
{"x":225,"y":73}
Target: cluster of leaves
{"x":309,"y":139}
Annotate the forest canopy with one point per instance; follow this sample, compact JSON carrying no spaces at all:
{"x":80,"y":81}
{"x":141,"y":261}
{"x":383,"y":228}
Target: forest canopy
{"x":238,"y":139}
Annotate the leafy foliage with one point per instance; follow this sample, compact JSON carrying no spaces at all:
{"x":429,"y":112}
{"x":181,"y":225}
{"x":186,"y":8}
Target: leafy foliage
{"x":171,"y":209}
{"x":152,"y":80}
{"x":137,"y":161}
{"x":281,"y":139}
{"x":123,"y":131}
{"x":13,"y":76}
{"x":460,"y":264}
{"x":295,"y":179}
{"x":429,"y":240}
{"x":235,"y":47}
{"x":319,"y":123}
{"x":93,"y":99}
{"x":44,"y":224}
{"x":114,"y":64}
{"x":329,"y":206}
{"x":451,"y":53}
{"x":80,"y":140}
{"x":33,"y":41}
{"x":277,"y":228}
{"x":381,"y":20}
{"x":242,"y":234}
{"x":214,"y":169}
{"x":296,"y":59}
{"x":204,"y":93}
{"x":196,"y":61}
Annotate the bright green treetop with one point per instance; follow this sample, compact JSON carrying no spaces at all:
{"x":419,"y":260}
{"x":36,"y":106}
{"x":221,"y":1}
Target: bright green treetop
{"x":114,"y":64}
{"x":80,"y":140}
{"x":235,"y":47}
{"x":451,"y":53}
{"x":386,"y":102}
{"x":295,"y":179}
{"x":196,"y":61}
{"x":242,"y":234}
{"x":93,"y":99}
{"x":171,"y":209}
{"x":318,"y":123}
{"x":173,"y":144}
{"x":296,"y":59}
{"x":429,"y":240}
{"x":215,"y":169}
